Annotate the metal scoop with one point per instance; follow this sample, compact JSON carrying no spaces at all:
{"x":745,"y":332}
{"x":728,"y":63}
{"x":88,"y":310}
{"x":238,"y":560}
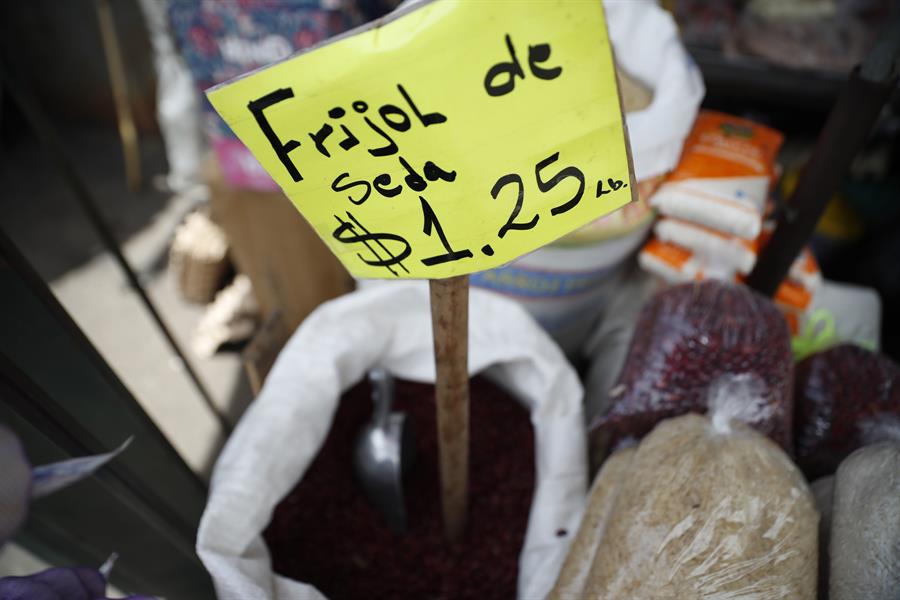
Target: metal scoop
{"x":384,"y":451}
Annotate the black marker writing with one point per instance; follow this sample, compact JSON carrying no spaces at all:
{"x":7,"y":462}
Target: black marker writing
{"x":538,"y":54}
{"x":432,"y":118}
{"x":431,"y":222}
{"x":507,"y":71}
{"x":393,"y":117}
{"x":347,"y":233}
{"x":615,"y":184}
{"x":338,"y":187}
{"x":385,"y":185}
{"x":282,"y":149}
{"x":546,"y":183}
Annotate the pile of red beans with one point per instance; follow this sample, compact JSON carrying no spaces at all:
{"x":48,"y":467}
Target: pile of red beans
{"x":326,"y":533}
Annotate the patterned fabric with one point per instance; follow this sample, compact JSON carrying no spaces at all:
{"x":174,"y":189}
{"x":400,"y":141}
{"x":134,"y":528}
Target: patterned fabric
{"x":220,"y":40}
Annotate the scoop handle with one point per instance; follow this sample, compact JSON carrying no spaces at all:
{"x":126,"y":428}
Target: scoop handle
{"x":382,"y":393}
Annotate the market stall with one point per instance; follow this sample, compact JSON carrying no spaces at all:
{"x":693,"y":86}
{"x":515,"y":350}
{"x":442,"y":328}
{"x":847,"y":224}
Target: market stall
{"x":702,"y":406}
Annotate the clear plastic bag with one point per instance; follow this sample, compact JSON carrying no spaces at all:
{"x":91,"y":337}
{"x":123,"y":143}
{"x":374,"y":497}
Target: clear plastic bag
{"x":845,"y":397}
{"x":601,"y":500}
{"x":709,"y":509}
{"x":865,"y":526}
{"x":689,"y":335}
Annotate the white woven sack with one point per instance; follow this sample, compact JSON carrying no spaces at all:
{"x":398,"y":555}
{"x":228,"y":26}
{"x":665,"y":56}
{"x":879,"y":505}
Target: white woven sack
{"x":389,"y":325}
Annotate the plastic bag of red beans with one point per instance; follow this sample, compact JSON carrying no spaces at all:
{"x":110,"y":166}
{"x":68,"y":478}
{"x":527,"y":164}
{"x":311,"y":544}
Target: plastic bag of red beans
{"x":846,"y":397}
{"x":688,"y":336}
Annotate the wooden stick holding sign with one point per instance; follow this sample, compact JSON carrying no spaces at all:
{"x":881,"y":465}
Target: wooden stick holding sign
{"x":450,"y":328}
{"x":417,"y":157}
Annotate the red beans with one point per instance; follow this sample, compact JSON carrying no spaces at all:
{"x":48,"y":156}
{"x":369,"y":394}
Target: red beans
{"x":846,"y":397}
{"x":686,"y":337}
{"x":324,"y":532}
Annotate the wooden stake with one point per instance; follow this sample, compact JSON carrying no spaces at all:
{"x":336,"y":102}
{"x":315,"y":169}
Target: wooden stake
{"x":119,"y":82}
{"x":450,"y":327}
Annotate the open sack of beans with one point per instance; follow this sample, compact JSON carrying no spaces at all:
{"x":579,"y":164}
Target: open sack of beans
{"x":282,"y":437}
{"x":688,"y":336}
{"x":704,"y":507}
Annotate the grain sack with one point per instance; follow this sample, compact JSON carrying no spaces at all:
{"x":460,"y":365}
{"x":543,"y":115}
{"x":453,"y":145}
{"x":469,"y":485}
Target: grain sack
{"x":709,"y":509}
{"x":865,"y":526}
{"x":577,"y":566}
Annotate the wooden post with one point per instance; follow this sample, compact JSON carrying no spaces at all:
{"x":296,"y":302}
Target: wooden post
{"x":450,"y":327}
{"x":118,"y":80}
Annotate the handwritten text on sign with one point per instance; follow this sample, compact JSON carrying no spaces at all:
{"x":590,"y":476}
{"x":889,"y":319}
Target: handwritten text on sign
{"x":451,"y":139}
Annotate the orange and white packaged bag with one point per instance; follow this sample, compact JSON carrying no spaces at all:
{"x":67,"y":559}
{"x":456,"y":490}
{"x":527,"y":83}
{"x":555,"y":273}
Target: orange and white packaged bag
{"x":794,"y":297}
{"x":794,"y":302}
{"x":731,"y":252}
{"x":674,"y":264}
{"x":722,"y":180}
{"x":738,"y":253}
{"x":804,"y":270}
{"x":671,"y":263}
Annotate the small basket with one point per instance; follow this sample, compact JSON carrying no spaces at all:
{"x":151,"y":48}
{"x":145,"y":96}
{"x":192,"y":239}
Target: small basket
{"x":198,"y":258}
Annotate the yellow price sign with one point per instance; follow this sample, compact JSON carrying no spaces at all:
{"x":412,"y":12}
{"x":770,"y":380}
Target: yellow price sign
{"x":448,"y":138}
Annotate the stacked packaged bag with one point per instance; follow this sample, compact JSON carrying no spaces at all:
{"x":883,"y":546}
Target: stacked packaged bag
{"x":713,"y":209}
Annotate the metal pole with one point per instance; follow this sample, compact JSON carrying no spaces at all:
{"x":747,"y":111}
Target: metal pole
{"x":847,"y":128}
